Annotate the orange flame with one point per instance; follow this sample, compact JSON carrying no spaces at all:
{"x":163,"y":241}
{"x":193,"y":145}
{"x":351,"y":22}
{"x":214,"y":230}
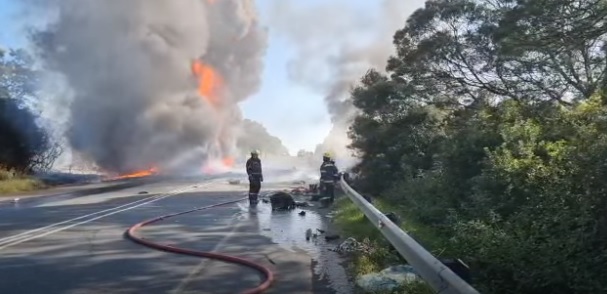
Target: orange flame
{"x":214,"y":167}
{"x":138,"y":174}
{"x":210,"y":85}
{"x":210,"y":82}
{"x":228,"y":161}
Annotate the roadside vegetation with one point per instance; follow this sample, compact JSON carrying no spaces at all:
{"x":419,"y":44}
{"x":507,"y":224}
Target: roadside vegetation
{"x":25,"y":146}
{"x":12,"y":183}
{"x":488,"y":135}
{"x":353,"y":223}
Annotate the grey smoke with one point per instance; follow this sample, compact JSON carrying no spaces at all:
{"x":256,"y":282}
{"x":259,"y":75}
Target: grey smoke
{"x":128,"y":64}
{"x":256,"y":136}
{"x":342,"y":42}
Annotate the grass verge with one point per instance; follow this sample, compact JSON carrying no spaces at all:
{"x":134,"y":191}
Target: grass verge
{"x":12,"y":184}
{"x":353,"y":223}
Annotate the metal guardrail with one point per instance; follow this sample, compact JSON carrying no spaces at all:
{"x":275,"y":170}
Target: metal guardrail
{"x":440,"y":277}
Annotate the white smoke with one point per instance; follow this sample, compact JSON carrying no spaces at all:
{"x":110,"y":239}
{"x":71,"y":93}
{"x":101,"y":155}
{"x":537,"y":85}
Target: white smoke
{"x":334,"y":50}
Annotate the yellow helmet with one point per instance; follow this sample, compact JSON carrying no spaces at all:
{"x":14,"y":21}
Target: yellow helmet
{"x":327,"y":154}
{"x":255,"y":152}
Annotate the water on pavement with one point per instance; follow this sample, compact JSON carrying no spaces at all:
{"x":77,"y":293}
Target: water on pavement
{"x":288,"y":229}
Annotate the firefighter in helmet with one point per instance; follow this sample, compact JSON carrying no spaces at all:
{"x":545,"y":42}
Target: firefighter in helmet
{"x":328,"y":176}
{"x":255,"y":174}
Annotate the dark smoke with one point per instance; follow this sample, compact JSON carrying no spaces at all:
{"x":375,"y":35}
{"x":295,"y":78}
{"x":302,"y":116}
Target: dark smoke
{"x":343,"y":41}
{"x":128,"y":62}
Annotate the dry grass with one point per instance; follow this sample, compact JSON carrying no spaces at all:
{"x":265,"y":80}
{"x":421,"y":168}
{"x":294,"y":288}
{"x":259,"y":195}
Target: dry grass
{"x":12,"y":183}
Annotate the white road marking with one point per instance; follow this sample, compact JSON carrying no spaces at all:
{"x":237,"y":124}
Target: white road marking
{"x":23,"y":237}
{"x":188,"y":279}
{"x":9,"y":238}
{"x":19,"y":241}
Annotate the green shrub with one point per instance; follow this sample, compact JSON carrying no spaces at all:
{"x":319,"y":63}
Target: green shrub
{"x":353,"y":223}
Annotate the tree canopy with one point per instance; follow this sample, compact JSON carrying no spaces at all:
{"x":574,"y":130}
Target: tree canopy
{"x":490,"y":127}
{"x":24,"y":145}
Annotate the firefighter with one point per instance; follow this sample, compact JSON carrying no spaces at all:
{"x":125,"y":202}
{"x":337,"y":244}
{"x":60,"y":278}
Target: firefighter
{"x":328,"y":175}
{"x":255,"y":176}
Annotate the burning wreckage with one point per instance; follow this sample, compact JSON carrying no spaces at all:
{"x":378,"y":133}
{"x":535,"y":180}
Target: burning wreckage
{"x":210,"y":85}
{"x":168,"y":78}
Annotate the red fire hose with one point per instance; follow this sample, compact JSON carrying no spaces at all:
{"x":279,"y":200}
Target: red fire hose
{"x":131,"y":234}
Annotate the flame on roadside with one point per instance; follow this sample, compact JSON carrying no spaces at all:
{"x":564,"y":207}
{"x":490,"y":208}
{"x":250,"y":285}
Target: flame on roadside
{"x":138,"y":174}
{"x":218,"y":166}
{"x":228,"y":161}
{"x":212,"y":89}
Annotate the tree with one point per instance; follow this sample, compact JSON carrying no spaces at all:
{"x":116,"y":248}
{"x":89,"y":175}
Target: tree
{"x":25,"y":146}
{"x":490,"y":128}
{"x":472,"y":49}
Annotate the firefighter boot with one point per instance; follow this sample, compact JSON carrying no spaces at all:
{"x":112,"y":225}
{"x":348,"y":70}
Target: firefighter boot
{"x":253,"y":199}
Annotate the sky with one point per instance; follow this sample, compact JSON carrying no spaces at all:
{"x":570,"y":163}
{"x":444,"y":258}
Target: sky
{"x":289,"y":111}
{"x":284,"y":108}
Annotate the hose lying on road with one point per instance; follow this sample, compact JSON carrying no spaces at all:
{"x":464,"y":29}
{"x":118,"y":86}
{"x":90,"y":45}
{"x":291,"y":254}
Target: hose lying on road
{"x":131,"y":234}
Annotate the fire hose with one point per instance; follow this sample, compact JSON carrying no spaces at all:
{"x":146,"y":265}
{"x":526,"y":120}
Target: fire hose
{"x":131,"y":234}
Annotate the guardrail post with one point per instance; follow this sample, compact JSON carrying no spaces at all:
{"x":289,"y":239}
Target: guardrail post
{"x":460,"y":268}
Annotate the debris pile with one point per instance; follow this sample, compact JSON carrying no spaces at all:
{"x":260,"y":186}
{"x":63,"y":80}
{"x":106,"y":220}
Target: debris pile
{"x":328,"y":237}
{"x":350,"y":245}
{"x":302,"y":204}
{"x":388,"y":279}
{"x":299,"y":191}
{"x":311,"y":190}
{"x":282,"y":201}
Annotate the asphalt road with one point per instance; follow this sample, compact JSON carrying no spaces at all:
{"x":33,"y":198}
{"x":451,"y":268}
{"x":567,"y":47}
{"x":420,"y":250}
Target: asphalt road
{"x":76,"y":244}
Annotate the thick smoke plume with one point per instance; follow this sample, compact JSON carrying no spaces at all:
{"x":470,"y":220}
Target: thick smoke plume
{"x":336,"y":49}
{"x":139,"y":71}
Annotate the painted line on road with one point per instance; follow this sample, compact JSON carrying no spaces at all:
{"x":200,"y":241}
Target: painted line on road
{"x":23,"y":237}
{"x":9,"y":238}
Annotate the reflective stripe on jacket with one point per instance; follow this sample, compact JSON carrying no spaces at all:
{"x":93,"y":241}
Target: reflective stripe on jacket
{"x":328,"y":172}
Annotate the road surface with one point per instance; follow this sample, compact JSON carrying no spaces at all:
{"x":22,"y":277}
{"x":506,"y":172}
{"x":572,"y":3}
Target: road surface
{"x":76,"y":244}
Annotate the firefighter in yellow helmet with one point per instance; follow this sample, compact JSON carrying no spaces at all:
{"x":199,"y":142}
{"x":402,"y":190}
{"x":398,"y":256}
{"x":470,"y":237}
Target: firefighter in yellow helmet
{"x":328,"y":176}
{"x":254,"y":171}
